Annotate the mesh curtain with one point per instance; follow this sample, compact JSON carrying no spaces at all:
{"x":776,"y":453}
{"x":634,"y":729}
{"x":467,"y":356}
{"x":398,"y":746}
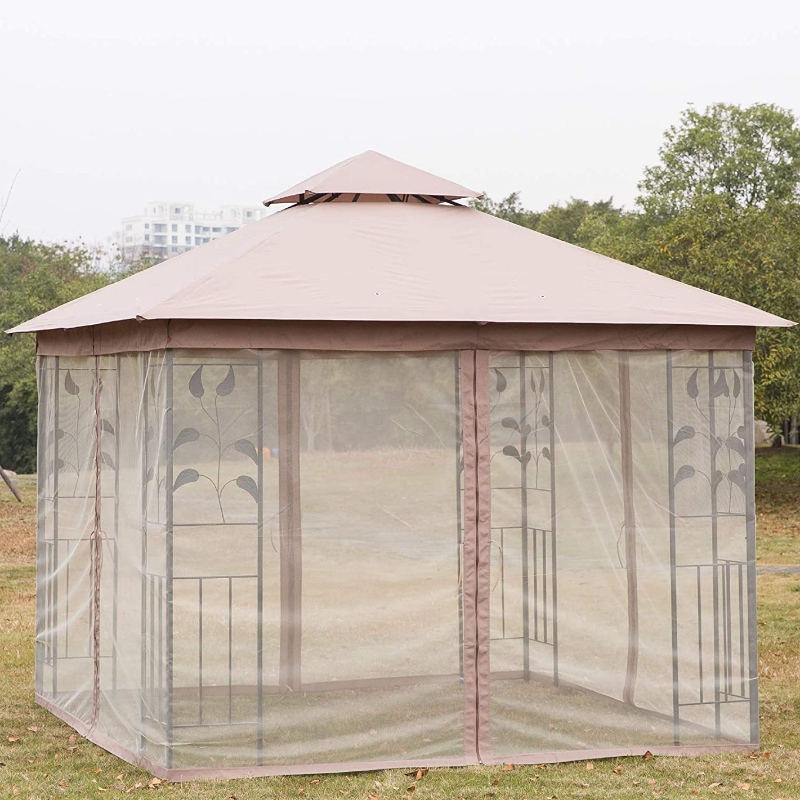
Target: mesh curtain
{"x":332,"y":561}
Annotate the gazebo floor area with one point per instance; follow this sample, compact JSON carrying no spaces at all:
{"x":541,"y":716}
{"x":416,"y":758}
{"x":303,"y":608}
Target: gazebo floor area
{"x":404,"y":724}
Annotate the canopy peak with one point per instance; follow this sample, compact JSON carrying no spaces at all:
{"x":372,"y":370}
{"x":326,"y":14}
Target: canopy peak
{"x":373,"y":176}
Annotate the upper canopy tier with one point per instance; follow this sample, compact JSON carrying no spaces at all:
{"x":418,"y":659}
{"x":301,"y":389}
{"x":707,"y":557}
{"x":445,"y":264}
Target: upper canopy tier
{"x":396,"y":261}
{"x":372,"y":176}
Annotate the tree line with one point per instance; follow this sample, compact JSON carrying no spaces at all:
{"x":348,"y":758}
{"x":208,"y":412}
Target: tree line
{"x":720,"y":210}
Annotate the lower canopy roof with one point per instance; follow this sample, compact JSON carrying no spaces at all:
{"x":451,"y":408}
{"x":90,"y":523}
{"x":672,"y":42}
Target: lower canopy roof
{"x":405,"y":337}
{"x":398,"y":262}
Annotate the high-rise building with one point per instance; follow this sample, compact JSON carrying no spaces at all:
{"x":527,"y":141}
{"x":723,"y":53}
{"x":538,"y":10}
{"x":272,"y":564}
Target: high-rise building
{"x":168,"y":228}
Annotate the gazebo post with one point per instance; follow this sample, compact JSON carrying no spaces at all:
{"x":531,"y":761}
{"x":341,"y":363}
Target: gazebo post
{"x":290,"y":531}
{"x":115,"y":591}
{"x":143,"y":602}
{"x":459,"y":512}
{"x":553,"y":537}
{"x":713,"y":448}
{"x":523,"y":497}
{"x":629,"y":516}
{"x":673,"y":556}
{"x":169,"y":655}
{"x":260,"y":557}
{"x":750,"y":511}
{"x":54,"y":560}
{"x":41,"y":522}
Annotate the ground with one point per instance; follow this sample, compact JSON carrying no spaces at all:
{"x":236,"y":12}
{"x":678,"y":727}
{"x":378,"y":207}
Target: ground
{"x":41,"y":757}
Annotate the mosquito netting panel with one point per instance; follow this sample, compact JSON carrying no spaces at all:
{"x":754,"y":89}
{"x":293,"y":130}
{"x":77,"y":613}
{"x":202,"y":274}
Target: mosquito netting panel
{"x":622,"y":528}
{"x":303,"y":561}
{"x":277,"y":574}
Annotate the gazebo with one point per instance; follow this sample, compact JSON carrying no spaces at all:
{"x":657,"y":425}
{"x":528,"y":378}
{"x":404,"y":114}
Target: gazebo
{"x":382,"y":480}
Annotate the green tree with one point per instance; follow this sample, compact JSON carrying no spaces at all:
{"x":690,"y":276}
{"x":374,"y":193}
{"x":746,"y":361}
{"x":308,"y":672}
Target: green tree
{"x":577,"y":221}
{"x":34,"y":278}
{"x":508,"y":209}
{"x":746,"y":156}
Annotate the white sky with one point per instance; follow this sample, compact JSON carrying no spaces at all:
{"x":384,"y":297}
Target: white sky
{"x":107,"y":105}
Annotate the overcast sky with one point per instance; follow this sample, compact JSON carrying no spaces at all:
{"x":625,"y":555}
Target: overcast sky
{"x":107,"y":105}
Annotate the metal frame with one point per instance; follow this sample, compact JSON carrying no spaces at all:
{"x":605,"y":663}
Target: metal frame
{"x":723,"y":573}
{"x":629,"y":514}
{"x":538,"y":547}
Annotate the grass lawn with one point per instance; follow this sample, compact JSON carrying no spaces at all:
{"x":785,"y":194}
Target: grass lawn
{"x":41,"y":757}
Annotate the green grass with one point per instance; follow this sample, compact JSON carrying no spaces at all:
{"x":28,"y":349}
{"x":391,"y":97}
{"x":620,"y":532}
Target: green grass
{"x":42,"y":757}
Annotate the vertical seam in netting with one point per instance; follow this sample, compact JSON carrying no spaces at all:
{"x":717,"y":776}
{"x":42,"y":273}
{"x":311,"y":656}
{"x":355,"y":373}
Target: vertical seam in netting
{"x":96,"y":549}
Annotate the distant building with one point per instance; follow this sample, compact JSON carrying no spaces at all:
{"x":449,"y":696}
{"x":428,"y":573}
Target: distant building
{"x":168,"y":228}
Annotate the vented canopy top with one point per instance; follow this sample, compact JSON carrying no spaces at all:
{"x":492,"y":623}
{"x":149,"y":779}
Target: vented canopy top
{"x":372,"y":176}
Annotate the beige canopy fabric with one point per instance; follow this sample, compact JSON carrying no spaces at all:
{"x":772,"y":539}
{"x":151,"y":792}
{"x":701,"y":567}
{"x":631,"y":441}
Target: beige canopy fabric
{"x":374,"y":176}
{"x":400,"y":262}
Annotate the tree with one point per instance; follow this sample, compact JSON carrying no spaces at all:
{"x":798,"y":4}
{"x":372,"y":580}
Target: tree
{"x":34,"y":278}
{"x":508,"y":209}
{"x":746,"y":156}
{"x":577,"y":221}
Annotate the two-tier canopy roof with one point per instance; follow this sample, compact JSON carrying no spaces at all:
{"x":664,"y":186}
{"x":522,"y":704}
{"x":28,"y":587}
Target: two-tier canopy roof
{"x":374,"y":240}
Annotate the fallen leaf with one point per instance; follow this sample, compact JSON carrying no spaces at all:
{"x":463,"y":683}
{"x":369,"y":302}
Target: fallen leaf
{"x":13,"y":738}
{"x":744,"y":786}
{"x":583,"y":784}
{"x":73,"y":738}
{"x":62,"y":783}
{"x":714,"y":785}
{"x":33,"y":729}
{"x":411,"y":788}
{"x":314,"y":782}
{"x":617,"y":770}
{"x":507,"y":767}
{"x":495,"y":782}
{"x":372,"y":796}
{"x":98,"y":771}
{"x":541,"y":766}
{"x":778,"y":780}
{"x":651,"y":781}
{"x":765,"y":754}
{"x":101,"y":789}
{"x":589,"y":765}
{"x":647,"y":756}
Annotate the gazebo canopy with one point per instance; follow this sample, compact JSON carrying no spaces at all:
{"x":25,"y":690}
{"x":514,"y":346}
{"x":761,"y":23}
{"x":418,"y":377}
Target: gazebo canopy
{"x":405,"y":261}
